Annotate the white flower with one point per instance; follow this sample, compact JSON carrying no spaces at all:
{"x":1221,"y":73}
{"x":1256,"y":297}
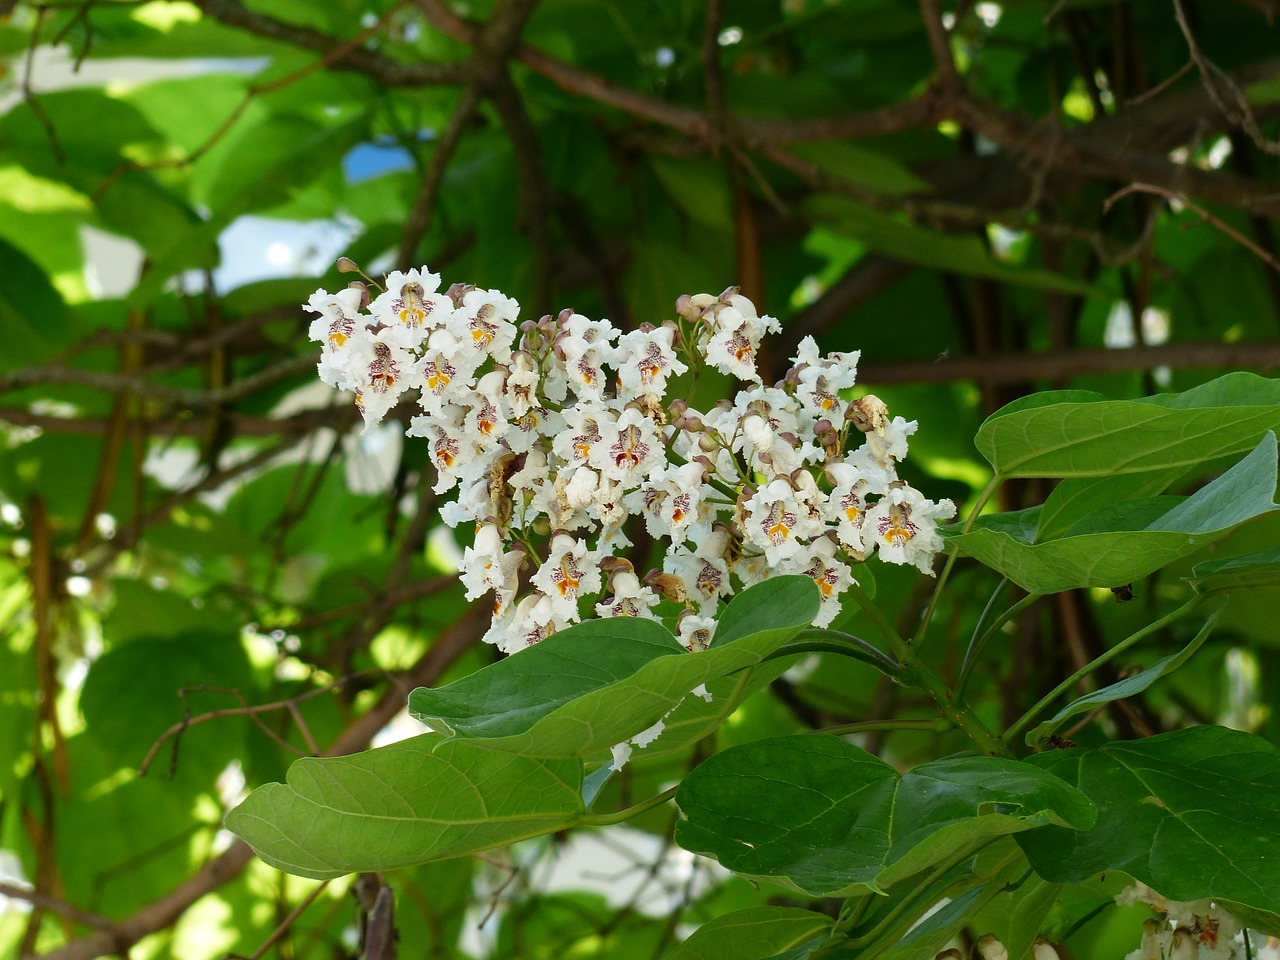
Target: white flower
{"x":487,"y":566}
{"x":629,"y":448}
{"x":411,"y":308}
{"x":644,"y":360}
{"x":696,"y":632}
{"x":485,"y":324}
{"x":818,"y":561}
{"x":630,"y":598}
{"x":776,"y":523}
{"x":705,"y":577}
{"x":822,"y":378}
{"x":904,"y":526}
{"x":339,"y":315}
{"x":570,"y":572}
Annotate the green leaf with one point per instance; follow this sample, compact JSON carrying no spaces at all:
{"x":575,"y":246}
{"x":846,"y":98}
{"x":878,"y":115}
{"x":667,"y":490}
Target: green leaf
{"x":1194,"y":814}
{"x":1018,"y":914}
{"x":599,"y":683}
{"x":1078,"y":434}
{"x":698,"y":186}
{"x":510,"y":696}
{"x":781,"y":603}
{"x":1123,"y":542}
{"x":1075,"y":498}
{"x":1128,"y":687}
{"x":868,"y":169}
{"x":829,"y":819}
{"x":1250,"y":571}
{"x":752,"y":934}
{"x":903,"y":240}
{"x":34,"y":321}
{"x":408,"y":803}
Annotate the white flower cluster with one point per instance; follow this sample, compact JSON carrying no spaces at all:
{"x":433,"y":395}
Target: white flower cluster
{"x":1199,"y":930}
{"x":556,"y":432}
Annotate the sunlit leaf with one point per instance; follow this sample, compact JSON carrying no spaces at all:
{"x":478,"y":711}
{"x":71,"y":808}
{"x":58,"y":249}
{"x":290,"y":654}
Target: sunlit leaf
{"x":404,"y":804}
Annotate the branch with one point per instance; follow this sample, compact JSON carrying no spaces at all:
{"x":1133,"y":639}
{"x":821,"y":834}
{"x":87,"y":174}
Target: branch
{"x":56,"y":374}
{"x":1222,"y":90}
{"x":423,"y":73}
{"x":1019,"y":368}
{"x":940,"y":47}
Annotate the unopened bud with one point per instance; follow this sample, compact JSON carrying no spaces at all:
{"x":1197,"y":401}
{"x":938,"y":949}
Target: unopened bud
{"x":869,"y":414}
{"x":611,"y":565}
{"x":563,"y":316}
{"x":347,"y":265}
{"x":364,"y":292}
{"x":458,"y":291}
{"x":950,"y":954}
{"x":990,"y":948}
{"x":684,"y":306}
{"x":1044,"y":950}
{"x":667,"y":584}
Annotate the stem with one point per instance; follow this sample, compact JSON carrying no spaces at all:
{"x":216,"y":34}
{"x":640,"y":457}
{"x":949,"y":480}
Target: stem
{"x":881,"y":659}
{"x":900,"y":647}
{"x":925,"y":890}
{"x":1021,"y":723}
{"x":868,"y":726}
{"x":605,"y":819}
{"x":983,"y":497}
{"x":979,"y":643}
{"x":915,"y":674}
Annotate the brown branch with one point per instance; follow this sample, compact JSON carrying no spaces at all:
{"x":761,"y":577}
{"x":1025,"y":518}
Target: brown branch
{"x":1222,"y":90}
{"x":385,"y":71}
{"x":52,"y":905}
{"x":1021,"y":367}
{"x":59,"y":375}
{"x":1204,"y":215}
{"x":243,"y":425}
{"x":940,"y":47}
{"x":418,"y":222}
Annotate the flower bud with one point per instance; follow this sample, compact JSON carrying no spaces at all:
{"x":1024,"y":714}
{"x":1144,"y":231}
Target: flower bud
{"x":868,"y":414}
{"x":667,"y":584}
{"x":990,"y":948}
{"x":347,"y":265}
{"x":458,"y":291}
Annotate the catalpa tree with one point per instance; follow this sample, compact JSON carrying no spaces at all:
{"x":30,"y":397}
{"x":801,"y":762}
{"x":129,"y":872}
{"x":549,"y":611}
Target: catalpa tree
{"x":507,"y":596}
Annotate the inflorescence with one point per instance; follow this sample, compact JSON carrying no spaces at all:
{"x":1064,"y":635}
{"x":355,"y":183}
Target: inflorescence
{"x":557,"y":432}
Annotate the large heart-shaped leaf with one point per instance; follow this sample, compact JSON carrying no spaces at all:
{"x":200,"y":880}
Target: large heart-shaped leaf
{"x":407,"y":803}
{"x":599,"y":683}
{"x":1074,"y":433}
{"x":1125,"y":541}
{"x":1195,"y":814}
{"x":829,"y":819}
